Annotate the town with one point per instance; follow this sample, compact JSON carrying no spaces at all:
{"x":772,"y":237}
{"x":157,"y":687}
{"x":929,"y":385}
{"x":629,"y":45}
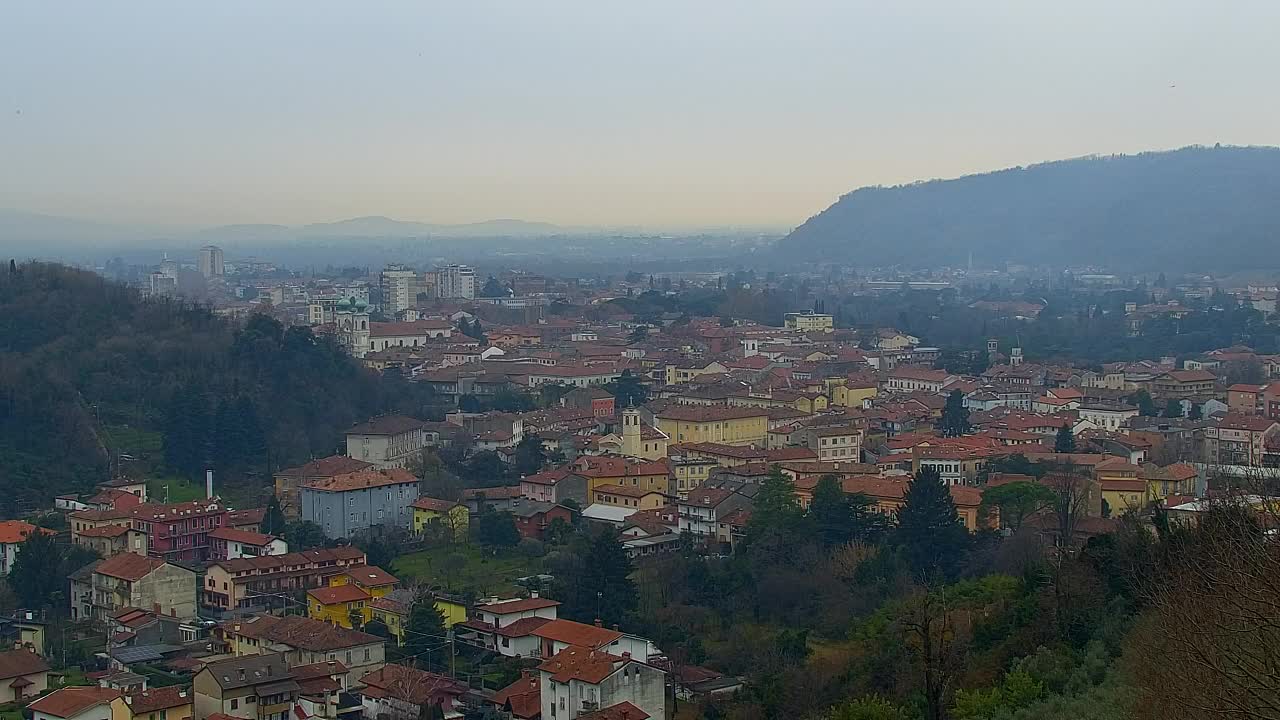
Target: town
{"x":552,"y":530}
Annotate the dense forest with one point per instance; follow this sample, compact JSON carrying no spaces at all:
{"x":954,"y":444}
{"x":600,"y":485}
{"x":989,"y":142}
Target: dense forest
{"x":95,"y":379}
{"x":1194,"y":208}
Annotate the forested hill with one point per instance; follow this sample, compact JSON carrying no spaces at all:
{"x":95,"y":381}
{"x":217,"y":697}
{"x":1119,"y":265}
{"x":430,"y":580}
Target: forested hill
{"x":1194,"y":208}
{"x":90,"y":369}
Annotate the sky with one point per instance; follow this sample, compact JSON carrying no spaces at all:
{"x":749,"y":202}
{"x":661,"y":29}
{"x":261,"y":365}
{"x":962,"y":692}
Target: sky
{"x":594,"y":112}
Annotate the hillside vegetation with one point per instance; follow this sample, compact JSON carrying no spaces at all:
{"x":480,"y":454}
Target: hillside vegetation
{"x":1194,"y":208}
{"x":90,"y":370}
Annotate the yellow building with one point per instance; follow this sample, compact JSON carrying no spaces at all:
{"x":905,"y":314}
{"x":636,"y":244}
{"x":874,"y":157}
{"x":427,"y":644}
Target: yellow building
{"x":719,"y":424}
{"x":629,"y":497}
{"x":394,"y":611}
{"x":809,"y":321}
{"x":348,"y":595}
{"x":852,"y":395}
{"x":451,"y":517}
{"x":649,"y":476}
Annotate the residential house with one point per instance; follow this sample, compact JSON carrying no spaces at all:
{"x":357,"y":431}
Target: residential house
{"x":229,"y":544}
{"x":108,"y":539}
{"x":719,"y":424}
{"x":521,"y":699}
{"x":257,"y":687}
{"x":610,"y":470}
{"x":12,"y":534}
{"x":396,"y":692}
{"x":128,"y":580}
{"x":387,"y":441}
{"x":1243,"y":440}
{"x":837,"y":444}
{"x":321,"y":691}
{"x":1123,"y":491}
{"x":560,"y":634}
{"x":393,"y":610}
{"x":443,"y":516}
{"x":584,"y":682}
{"x":174,"y":702}
{"x":555,"y":486}
{"x":1104,"y":417}
{"x":288,"y":481}
{"x":889,"y":495}
{"x":266,"y":581}
{"x":532,"y":518}
{"x":595,"y":399}
{"x":172,"y":531}
{"x":1194,"y":385}
{"x":910,"y":379}
{"x":1245,"y":399}
{"x":303,"y":641}
{"x":506,"y":627}
{"x":701,"y":510}
{"x":1177,"y":479}
{"x":346,"y":504}
{"x":80,"y":703}
{"x":23,"y":674}
{"x":348,"y":595}
{"x":629,"y":497}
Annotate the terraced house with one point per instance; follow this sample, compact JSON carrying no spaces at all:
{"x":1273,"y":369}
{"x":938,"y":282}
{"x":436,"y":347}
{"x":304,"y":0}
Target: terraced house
{"x":267,"y":581}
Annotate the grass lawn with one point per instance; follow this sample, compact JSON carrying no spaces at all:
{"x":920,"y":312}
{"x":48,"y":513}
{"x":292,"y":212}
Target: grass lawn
{"x":477,"y":571}
{"x":180,"y":489}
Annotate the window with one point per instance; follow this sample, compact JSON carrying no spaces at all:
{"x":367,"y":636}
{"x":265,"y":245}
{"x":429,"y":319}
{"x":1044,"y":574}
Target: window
{"x":348,"y":657}
{"x":368,"y":654}
{"x":235,"y":704}
{"x":250,"y":700}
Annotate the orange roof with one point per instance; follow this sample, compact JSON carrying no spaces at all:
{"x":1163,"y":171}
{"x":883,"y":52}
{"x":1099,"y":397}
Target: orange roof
{"x":109,"y":531}
{"x":524,"y":697}
{"x":362,"y":480}
{"x":159,"y":699}
{"x":128,"y":566}
{"x":576,"y":633}
{"x":579,"y":663}
{"x":339,"y":594}
{"x":434,"y":504}
{"x":371,"y":576}
{"x":709,"y":413}
{"x":15,"y":531}
{"x":622,"y":711}
{"x":70,"y":701}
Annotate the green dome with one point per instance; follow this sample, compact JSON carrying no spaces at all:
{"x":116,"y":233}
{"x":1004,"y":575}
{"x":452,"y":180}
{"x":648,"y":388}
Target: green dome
{"x":344,"y":304}
{"x":360,"y":303}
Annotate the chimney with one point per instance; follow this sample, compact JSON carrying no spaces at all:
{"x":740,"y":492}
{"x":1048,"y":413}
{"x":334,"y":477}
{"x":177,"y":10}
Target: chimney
{"x":208,"y":484}
{"x":533,"y":594}
{"x":598,"y":623}
{"x":626,"y":656}
{"x":241,"y":674}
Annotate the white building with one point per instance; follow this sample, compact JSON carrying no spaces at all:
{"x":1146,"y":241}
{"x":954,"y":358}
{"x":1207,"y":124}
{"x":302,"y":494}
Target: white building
{"x":1105,"y":417}
{"x":457,"y":281}
{"x":577,"y":681}
{"x":210,"y":261}
{"x":400,"y":287}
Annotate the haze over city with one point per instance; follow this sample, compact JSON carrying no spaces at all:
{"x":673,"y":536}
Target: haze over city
{"x":585,"y":113}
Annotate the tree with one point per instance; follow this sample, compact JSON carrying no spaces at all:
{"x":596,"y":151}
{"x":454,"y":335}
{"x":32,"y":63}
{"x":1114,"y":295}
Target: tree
{"x":273,"y":522}
{"x":497,"y":529}
{"x":424,"y":632}
{"x":1146,"y":406}
{"x":530,"y":455}
{"x":775,"y":515}
{"x":493,"y":289}
{"x":935,"y":637}
{"x":37,"y":571}
{"x":607,"y":580}
{"x":639,"y":334}
{"x":628,"y":391}
{"x":929,"y":530}
{"x":1016,"y":501}
{"x":837,"y":518}
{"x":872,"y":707}
{"x":955,"y":416}
{"x":1065,"y":442}
{"x":1196,"y":412}
{"x":1173,"y":409}
{"x":303,"y":535}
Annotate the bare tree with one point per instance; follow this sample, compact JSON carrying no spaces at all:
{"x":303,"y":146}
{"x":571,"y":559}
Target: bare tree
{"x":1209,"y":645}
{"x":936,"y":637}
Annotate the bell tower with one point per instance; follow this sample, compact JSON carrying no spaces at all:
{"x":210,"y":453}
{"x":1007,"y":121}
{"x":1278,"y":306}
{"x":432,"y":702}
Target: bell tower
{"x":631,"y":432}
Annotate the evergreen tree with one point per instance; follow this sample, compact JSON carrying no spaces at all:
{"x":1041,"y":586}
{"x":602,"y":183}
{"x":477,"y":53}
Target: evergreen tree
{"x":1066,"y":440}
{"x":530,"y":455}
{"x":628,"y":391}
{"x":606,"y":581}
{"x":639,"y":334}
{"x":1196,"y":413}
{"x":425,"y":633}
{"x":495,"y":528}
{"x":273,"y":522}
{"x":1173,"y":409}
{"x":35,"y":575}
{"x":775,"y":514}
{"x":955,"y":416}
{"x":930,"y":533}
{"x":1146,"y":406}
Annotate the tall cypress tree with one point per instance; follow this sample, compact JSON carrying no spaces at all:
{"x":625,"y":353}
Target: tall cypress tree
{"x":606,"y":582}
{"x":930,"y":533}
{"x":955,"y":416}
{"x":1066,"y":440}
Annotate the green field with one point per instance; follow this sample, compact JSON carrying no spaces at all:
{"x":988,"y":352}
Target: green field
{"x":180,"y":489}
{"x":475,"y":570}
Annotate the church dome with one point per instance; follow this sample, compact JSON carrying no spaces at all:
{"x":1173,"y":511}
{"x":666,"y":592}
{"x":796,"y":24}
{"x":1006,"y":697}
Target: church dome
{"x":360,"y":303}
{"x":344,"y":304}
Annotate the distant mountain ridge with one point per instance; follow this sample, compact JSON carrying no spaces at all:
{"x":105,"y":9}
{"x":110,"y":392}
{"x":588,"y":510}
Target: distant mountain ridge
{"x":20,"y":230}
{"x":1198,"y":207}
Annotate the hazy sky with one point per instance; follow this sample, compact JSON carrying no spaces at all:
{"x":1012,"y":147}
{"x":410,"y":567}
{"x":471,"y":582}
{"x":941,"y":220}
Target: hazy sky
{"x":594,"y":111}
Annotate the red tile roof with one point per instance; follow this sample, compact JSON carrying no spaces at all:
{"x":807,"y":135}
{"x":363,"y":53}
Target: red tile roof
{"x":709,"y":413}
{"x":508,"y":607}
{"x":327,"y":467}
{"x":580,"y":663}
{"x":339,"y":594}
{"x":434,"y":504}
{"x":371,"y":576}
{"x":70,"y":701}
{"x":576,"y":633}
{"x":160,"y":698}
{"x":128,"y":566}
{"x":622,"y":711}
{"x":386,"y":425}
{"x":362,"y":480}
{"x":16,"y":663}
{"x":523,"y":697}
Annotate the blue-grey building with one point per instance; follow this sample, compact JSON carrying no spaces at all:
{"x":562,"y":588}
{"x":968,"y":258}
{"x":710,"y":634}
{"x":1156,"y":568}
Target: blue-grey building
{"x":346,"y":504}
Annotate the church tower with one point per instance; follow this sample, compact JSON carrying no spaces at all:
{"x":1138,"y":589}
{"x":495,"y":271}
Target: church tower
{"x":631,"y":432}
{"x":351,"y":316}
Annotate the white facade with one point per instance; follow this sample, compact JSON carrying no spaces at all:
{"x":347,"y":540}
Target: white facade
{"x":641,"y":685}
{"x":457,"y":281}
{"x":399,"y":288}
{"x":211,"y":262}
{"x":241,"y":550}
